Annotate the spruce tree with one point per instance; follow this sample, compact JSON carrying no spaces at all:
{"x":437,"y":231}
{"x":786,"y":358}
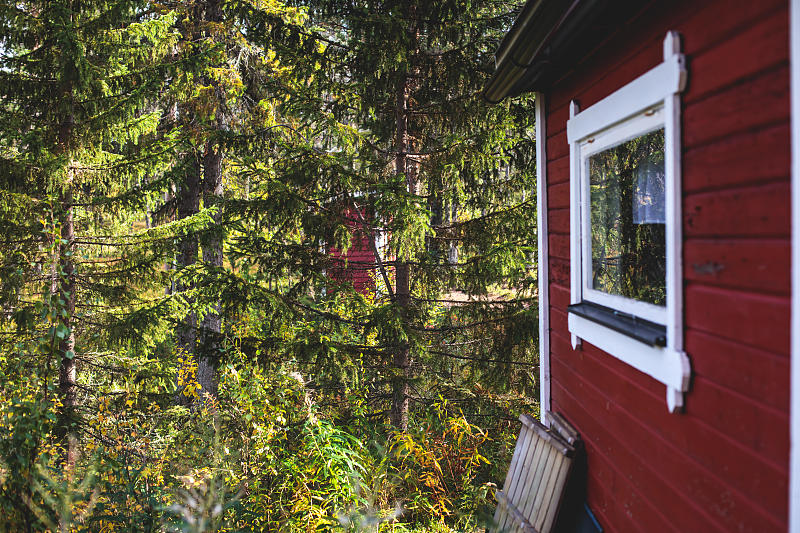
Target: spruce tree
{"x":78,"y":141}
{"x":450,"y":178}
{"x":240,"y":49}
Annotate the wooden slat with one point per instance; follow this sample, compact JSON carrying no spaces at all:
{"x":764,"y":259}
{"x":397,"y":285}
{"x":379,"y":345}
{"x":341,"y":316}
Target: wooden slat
{"x":539,"y":481}
{"x":536,"y":478}
{"x":555,"y":496}
{"x":522,"y":467}
{"x":519,"y":520}
{"x":535,"y":449}
{"x":515,"y":459}
{"x":531,"y":482}
{"x":566,"y":431}
{"x":535,"y":508}
{"x":526,"y":439}
{"x":544,"y":496}
{"x":548,"y":436}
{"x":500,"y":514}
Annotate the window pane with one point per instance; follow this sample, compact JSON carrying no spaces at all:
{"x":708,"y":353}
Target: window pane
{"x":626,"y":185}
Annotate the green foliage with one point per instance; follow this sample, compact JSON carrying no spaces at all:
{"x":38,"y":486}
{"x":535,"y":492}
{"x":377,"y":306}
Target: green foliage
{"x":440,"y":459}
{"x":258,"y":457}
{"x":121,"y":262}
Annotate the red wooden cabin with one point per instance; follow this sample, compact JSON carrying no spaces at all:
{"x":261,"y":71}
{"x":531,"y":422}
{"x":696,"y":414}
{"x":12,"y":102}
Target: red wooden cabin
{"x":358,"y":264}
{"x":667,"y":186}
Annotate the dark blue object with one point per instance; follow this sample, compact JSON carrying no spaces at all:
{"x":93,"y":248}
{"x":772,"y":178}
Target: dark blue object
{"x":587,"y":523}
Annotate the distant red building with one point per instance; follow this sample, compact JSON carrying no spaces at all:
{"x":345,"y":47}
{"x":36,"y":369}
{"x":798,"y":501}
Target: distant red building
{"x":357,"y":264}
{"x":666,"y":191}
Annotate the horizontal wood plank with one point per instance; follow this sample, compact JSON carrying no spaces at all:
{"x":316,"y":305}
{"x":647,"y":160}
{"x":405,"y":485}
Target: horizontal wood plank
{"x":558,"y":196}
{"x":559,"y":296}
{"x":558,"y":220}
{"x":746,"y":469}
{"x":557,"y":145}
{"x":651,"y":502}
{"x":723,"y":20}
{"x":690,"y":465}
{"x":559,"y":271}
{"x":758,"y":265}
{"x":558,"y":245}
{"x":753,"y":104}
{"x":732,"y":315}
{"x":753,"y":372}
{"x":558,"y":170}
{"x":758,"y":211}
{"x":730,"y":161}
{"x":763,"y":429}
{"x":615,"y":62}
{"x":762,"y":45}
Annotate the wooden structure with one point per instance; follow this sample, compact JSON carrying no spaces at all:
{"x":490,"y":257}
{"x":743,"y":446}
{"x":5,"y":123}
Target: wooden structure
{"x":686,"y":424}
{"x":357,"y":264}
{"x":534,"y":486}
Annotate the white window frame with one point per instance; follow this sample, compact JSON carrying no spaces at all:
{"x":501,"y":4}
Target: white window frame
{"x":636,"y":126}
{"x":650,"y":102}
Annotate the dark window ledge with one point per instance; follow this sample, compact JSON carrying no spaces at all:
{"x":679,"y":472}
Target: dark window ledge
{"x":637,"y":328}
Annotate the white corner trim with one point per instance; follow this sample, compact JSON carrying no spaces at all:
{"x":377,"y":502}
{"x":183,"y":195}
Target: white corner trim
{"x":633,"y":110}
{"x":543,"y":266}
{"x":794,"y":407}
{"x":575,"y":295}
{"x":648,"y":90}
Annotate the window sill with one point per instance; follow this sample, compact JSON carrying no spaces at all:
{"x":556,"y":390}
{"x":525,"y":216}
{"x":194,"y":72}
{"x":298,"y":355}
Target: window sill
{"x":639,"y":329}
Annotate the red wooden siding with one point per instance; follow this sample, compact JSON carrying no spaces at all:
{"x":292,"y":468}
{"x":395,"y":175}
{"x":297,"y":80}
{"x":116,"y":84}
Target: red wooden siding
{"x":357,"y":264}
{"x":723,"y":464}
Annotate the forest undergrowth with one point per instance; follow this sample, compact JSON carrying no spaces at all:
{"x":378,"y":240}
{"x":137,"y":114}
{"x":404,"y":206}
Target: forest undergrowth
{"x":267,"y":454}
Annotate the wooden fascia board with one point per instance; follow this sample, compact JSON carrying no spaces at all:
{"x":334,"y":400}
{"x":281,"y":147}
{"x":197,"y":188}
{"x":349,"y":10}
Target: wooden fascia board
{"x":520,"y":50}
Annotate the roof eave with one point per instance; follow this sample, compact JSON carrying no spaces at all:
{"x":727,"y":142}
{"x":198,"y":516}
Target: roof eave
{"x":524,"y":52}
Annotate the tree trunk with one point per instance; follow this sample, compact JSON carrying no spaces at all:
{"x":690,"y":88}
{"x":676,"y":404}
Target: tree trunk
{"x":210,"y":331}
{"x":209,"y":349}
{"x":188,"y":205}
{"x":402,"y":356}
{"x":67,"y":370}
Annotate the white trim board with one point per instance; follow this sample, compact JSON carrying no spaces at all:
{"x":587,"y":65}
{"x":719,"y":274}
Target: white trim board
{"x":543,"y":273}
{"x":794,"y":407}
{"x":575,"y":286}
{"x":665,"y":364}
{"x":648,"y":90}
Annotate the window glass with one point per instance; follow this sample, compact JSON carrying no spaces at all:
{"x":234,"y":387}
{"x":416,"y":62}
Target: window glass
{"x":628,"y":224}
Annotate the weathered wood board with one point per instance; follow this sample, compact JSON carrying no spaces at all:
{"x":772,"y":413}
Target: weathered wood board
{"x":536,"y":478}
